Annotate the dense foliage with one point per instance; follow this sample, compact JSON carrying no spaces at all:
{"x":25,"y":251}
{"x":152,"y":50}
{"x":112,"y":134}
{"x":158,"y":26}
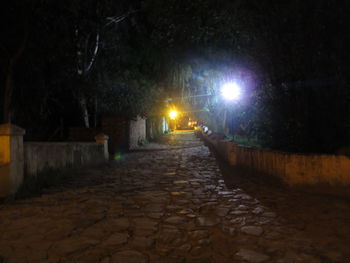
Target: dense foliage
{"x":291,"y":57}
{"x":75,"y":60}
{"x":298,"y":96}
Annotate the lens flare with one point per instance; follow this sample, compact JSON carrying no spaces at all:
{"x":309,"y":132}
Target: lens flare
{"x":231,"y":91}
{"x":118,"y":156}
{"x":173,"y":114}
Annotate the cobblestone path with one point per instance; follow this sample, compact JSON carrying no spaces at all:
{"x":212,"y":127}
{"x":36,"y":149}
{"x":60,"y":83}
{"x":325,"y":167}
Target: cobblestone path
{"x":171,"y":205}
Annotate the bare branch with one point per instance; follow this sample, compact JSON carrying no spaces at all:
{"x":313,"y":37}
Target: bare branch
{"x":82,"y":66}
{"x":97,"y":44}
{"x":115,"y":20}
{"x":118,"y":19}
{"x":79,"y":54}
{"x":85,"y":57}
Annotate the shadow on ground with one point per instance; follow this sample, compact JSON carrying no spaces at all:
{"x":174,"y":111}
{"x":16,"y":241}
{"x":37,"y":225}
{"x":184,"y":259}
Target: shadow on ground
{"x":323,"y":217}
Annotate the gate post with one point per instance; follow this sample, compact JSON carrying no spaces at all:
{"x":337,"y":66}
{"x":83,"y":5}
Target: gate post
{"x":103,"y":139}
{"x":11,"y":158}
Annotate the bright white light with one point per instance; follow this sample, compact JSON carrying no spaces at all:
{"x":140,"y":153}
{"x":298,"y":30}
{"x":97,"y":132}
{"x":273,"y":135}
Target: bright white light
{"x":231,"y":91}
{"x":173,"y":114}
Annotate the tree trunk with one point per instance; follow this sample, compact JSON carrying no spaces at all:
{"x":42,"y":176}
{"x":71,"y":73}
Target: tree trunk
{"x":84,"y":110}
{"x":8,"y":95}
{"x":9,"y":81}
{"x":96,"y":112}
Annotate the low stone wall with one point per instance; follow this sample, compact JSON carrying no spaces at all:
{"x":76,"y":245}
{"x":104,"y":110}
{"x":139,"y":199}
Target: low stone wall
{"x":294,"y":169}
{"x":137,"y":132}
{"x":156,"y":126}
{"x":18,"y":158}
{"x":123,"y":133}
{"x":116,"y":128}
{"x":41,"y":156}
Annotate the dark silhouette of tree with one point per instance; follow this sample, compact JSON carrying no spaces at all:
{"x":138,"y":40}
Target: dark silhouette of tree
{"x":79,"y":59}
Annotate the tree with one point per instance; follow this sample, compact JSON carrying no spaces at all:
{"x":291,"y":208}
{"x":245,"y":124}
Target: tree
{"x":92,"y":20}
{"x":13,"y":48}
{"x":71,"y":47}
{"x":84,"y":58}
{"x":290,"y":48}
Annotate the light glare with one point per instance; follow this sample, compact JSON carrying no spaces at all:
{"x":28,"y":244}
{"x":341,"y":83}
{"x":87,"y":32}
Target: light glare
{"x":173,"y":114}
{"x":231,"y":91}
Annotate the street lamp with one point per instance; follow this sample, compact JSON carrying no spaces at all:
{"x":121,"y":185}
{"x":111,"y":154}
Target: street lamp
{"x":231,"y":91}
{"x":173,"y":114}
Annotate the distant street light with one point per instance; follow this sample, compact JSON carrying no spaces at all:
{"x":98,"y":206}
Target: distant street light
{"x":173,"y":114}
{"x":231,"y":91}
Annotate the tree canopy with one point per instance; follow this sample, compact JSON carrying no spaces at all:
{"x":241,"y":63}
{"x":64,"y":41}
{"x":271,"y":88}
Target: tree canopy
{"x":297,"y":92}
{"x":75,"y":60}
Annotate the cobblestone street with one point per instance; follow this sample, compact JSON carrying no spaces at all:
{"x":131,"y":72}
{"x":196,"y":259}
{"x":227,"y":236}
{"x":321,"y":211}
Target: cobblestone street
{"x":174,"y":203}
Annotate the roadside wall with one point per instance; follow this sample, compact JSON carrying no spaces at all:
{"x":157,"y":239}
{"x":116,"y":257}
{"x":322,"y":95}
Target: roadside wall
{"x":116,"y":128}
{"x":137,"y":132}
{"x":123,"y":133}
{"x":156,"y":126}
{"x":40,"y":156}
{"x":30,"y":158}
{"x":293,"y":169}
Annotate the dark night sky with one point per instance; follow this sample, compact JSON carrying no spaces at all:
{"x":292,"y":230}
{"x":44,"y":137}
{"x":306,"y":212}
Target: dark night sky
{"x":298,"y":47}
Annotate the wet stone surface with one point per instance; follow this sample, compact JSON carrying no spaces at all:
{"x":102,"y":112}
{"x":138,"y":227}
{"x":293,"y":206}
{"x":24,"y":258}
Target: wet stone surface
{"x":169,"y":205}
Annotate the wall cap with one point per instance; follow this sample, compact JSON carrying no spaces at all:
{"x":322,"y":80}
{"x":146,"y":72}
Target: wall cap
{"x":11,"y":129}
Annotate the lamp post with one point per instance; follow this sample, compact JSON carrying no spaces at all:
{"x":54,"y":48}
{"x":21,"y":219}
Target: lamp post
{"x":230,"y":92}
{"x":173,"y":114}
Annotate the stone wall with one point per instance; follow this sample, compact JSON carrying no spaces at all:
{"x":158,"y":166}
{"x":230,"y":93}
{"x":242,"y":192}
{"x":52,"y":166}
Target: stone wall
{"x":116,"y":128}
{"x":123,"y":133}
{"x":18,"y":158}
{"x":294,"y":169}
{"x":156,"y":126}
{"x":41,"y":156}
{"x":137,"y":132}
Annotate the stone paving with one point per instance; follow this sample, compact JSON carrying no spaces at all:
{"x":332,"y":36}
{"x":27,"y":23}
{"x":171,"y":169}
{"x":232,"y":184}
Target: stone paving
{"x":170,"y":206}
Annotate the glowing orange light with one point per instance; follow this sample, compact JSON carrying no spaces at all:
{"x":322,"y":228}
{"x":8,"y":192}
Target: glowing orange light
{"x":173,"y":114}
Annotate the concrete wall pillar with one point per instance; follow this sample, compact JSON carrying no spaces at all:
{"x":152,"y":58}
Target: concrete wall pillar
{"x":103,"y":139}
{"x":11,"y":158}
